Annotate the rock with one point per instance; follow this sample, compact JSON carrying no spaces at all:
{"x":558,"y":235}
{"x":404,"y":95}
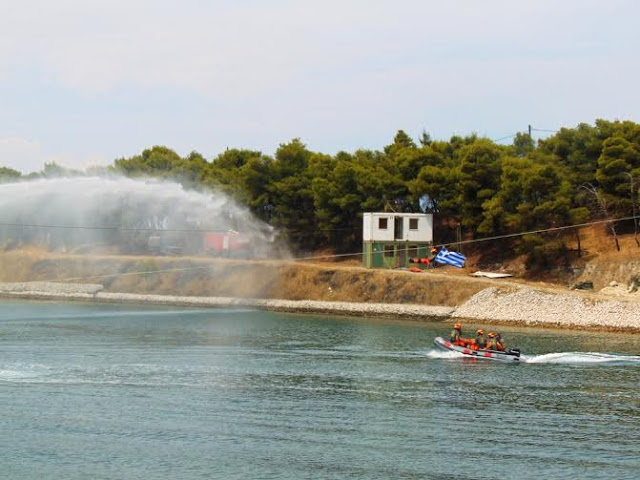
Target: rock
{"x":583,"y":286}
{"x":532,"y":307}
{"x":51,"y":288}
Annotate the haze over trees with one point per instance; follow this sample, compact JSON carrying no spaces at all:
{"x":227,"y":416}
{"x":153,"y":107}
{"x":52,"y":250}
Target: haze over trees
{"x":483,"y":188}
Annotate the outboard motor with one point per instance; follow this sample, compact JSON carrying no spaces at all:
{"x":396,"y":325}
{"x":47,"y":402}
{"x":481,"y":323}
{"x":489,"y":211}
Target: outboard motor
{"x":514,"y":351}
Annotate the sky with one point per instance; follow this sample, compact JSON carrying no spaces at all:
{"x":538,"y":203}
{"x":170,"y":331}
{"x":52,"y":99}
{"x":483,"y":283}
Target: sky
{"x":84,"y":82}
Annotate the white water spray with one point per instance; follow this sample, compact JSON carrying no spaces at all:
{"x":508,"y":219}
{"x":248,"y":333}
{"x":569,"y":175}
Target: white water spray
{"x":448,"y":355}
{"x":583,"y":358}
{"x":567,"y":358}
{"x":127,"y":215}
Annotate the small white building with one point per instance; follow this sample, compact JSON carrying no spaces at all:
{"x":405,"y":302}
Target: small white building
{"x":391,"y":239}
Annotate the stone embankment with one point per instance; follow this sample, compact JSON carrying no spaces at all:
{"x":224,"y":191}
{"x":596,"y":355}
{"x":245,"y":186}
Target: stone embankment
{"x":525,"y":306}
{"x":533,"y":307}
{"x":73,"y":291}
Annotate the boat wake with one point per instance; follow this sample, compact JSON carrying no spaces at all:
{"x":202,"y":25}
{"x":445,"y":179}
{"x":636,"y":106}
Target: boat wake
{"x":444,"y":355}
{"x":583,"y":358}
{"x":567,"y":358}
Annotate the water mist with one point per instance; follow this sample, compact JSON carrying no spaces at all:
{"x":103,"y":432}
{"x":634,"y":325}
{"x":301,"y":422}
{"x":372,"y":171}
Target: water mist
{"x":123,"y":215}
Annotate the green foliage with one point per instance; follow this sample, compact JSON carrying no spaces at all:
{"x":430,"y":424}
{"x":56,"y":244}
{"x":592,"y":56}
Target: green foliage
{"x":156,"y":161}
{"x":543,"y":254}
{"x":337,"y":200}
{"x":239,"y":173}
{"x":480,"y":170}
{"x":318,"y":200}
{"x":9,"y":174}
{"x":523,"y":144}
{"x":618,"y":171}
{"x":289,"y":192}
{"x":439,"y":186}
{"x":425,"y":139}
{"x":53,"y":170}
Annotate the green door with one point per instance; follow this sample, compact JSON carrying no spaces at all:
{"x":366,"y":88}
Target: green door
{"x":377,"y":258}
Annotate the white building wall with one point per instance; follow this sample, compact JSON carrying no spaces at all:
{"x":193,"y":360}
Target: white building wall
{"x":371,"y":231}
{"x":371,"y":227}
{"x":424,"y":233}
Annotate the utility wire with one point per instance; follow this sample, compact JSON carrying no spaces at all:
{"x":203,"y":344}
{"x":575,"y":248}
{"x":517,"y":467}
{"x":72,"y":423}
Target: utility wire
{"x":127,"y":229}
{"x":476,"y":240}
{"x":86,"y":227}
{"x":359,"y":253}
{"x":71,"y":279}
{"x":532,"y":129}
{"x":505,"y":138}
{"x":544,"y":230}
{"x":486,"y":239}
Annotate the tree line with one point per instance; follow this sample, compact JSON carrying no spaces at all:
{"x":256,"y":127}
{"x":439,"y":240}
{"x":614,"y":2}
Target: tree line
{"x":471,"y":184}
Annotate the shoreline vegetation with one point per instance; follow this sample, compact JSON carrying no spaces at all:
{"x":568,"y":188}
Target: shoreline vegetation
{"x":504,"y":201}
{"x":524,"y":306}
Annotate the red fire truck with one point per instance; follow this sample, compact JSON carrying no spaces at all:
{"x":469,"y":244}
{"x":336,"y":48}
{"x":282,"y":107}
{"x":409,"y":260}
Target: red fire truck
{"x":227,"y":244}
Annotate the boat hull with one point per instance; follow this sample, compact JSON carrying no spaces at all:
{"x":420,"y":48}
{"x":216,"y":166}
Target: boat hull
{"x":512,"y":356}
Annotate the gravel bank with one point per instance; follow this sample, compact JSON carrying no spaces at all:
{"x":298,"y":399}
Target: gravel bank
{"x":533,"y":307}
{"x":73,"y":291}
{"x":50,"y":288}
{"x":523,"y":305}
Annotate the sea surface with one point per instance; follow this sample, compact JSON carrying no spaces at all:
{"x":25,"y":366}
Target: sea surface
{"x":124,"y":392}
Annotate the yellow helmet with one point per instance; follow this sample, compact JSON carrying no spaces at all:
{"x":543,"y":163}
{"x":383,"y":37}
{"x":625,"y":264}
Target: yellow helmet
{"x":457,"y":326}
{"x":491,"y":334}
{"x":480,"y":331}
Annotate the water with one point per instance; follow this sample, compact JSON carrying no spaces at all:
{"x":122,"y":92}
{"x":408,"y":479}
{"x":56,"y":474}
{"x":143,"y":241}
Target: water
{"x":125,"y":392}
{"x":141,"y":216}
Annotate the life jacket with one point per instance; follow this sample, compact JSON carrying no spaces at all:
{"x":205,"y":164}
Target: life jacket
{"x":492,"y":344}
{"x":455,"y":336}
{"x":481,"y":342}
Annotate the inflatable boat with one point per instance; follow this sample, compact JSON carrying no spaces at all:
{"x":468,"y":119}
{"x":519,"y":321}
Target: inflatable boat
{"x":512,"y":355}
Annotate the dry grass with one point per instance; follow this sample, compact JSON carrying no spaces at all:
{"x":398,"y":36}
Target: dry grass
{"x":331,"y":281}
{"x":210,"y":277}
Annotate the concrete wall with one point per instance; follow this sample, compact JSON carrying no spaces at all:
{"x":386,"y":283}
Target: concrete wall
{"x":371,"y":223}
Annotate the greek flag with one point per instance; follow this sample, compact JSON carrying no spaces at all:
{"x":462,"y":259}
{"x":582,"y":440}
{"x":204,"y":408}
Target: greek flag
{"x":450,"y":258}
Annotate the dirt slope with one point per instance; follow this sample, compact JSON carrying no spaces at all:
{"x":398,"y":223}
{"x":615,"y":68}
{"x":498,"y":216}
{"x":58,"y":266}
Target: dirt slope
{"x":344,"y":281}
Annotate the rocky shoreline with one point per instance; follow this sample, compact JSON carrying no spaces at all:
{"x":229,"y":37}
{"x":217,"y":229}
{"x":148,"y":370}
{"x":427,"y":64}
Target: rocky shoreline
{"x":523,"y":306}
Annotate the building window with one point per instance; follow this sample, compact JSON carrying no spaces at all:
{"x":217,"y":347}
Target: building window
{"x":389,"y":251}
{"x":382,"y":223}
{"x":413,"y":224}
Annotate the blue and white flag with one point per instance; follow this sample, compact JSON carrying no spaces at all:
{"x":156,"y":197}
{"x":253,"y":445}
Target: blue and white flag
{"x":450,"y":258}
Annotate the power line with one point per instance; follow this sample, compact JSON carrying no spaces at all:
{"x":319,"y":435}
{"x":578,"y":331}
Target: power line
{"x":93,"y":277}
{"x":529,"y":129}
{"x":121,"y":229}
{"x":359,"y":253}
{"x":485,"y":239}
{"x":132,"y":229}
{"x":504,"y":138}
{"x":545,"y":230}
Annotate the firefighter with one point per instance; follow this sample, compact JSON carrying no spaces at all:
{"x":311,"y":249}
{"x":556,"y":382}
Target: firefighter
{"x":492,"y":343}
{"x":480,"y":343}
{"x":456,"y":335}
